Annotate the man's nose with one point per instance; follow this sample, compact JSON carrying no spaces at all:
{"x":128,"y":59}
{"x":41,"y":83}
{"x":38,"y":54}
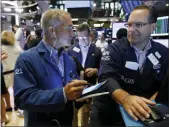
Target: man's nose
{"x":131,"y":30}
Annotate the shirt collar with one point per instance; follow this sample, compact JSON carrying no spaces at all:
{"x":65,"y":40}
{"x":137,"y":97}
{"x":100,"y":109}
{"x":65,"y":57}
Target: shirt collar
{"x":148,"y":46}
{"x":86,"y":47}
{"x":50,"y":48}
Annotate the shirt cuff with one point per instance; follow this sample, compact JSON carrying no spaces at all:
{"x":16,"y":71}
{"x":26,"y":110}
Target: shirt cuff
{"x":65,"y":98}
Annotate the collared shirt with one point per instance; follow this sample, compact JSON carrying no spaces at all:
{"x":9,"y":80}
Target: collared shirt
{"x":141,"y":55}
{"x":58,"y":61}
{"x":55,"y":59}
{"x":84,"y":51}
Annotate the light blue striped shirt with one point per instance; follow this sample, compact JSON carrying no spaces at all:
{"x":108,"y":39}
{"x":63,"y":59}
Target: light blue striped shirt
{"x":141,"y":55}
{"x":58,"y":61}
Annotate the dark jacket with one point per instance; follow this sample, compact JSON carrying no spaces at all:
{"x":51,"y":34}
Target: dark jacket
{"x":92,"y":60}
{"x":34,"y":42}
{"x":120,"y":77}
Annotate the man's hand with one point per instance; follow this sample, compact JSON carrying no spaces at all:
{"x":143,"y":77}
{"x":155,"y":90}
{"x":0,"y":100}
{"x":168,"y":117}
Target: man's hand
{"x":89,"y":72}
{"x":74,"y":89}
{"x":137,"y":107}
{"x":4,"y":56}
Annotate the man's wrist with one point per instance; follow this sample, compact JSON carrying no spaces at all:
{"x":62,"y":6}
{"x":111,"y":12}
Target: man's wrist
{"x":119,"y":95}
{"x":124,"y":98}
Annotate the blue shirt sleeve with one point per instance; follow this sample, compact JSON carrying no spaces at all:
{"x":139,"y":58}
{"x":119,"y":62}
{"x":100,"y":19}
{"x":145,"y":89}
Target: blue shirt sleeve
{"x":27,"y":94}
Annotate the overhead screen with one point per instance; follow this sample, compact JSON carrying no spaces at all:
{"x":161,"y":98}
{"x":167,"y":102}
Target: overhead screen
{"x":129,"y":5}
{"x":116,"y":26}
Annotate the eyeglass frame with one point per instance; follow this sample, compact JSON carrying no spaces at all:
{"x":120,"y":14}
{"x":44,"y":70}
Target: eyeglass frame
{"x":68,"y":28}
{"x":141,"y":23}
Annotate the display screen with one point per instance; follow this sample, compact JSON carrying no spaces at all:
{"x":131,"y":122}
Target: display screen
{"x":129,"y":5}
{"x":116,"y":26}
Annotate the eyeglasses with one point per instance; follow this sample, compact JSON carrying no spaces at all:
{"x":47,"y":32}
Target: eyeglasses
{"x":68,"y":28}
{"x":136,"y":24}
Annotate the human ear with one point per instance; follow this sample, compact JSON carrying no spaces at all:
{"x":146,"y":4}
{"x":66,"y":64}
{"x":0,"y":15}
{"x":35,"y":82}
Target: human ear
{"x":153,"y":27}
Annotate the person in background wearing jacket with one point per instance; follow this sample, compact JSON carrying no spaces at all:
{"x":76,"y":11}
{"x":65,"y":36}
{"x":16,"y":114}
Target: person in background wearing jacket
{"x":122,"y":32}
{"x":35,"y":41}
{"x":19,"y":35}
{"x":134,"y":68}
{"x":93,"y":36}
{"x":89,"y":57}
{"x":102,"y":43}
{"x":46,"y":81}
{"x":4,"y":94}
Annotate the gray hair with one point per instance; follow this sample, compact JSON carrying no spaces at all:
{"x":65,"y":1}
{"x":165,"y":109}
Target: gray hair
{"x":52,"y":18}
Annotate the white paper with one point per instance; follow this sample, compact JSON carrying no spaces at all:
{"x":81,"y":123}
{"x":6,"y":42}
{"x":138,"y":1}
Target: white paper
{"x":91,"y":95}
{"x":132,"y":65}
{"x":153,"y":59}
{"x":158,"y":55}
{"x":76,"y":49}
{"x":89,"y":89}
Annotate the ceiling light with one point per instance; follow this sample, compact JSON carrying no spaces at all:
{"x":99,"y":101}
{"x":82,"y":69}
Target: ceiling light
{"x":7,"y":9}
{"x":29,"y":10}
{"x":75,"y":19}
{"x":75,"y":25}
{"x":3,"y":16}
{"x":37,"y":7}
{"x":97,"y":25}
{"x":18,"y":10}
{"x":167,"y":5}
{"x":94,"y":4}
{"x":23,"y":21}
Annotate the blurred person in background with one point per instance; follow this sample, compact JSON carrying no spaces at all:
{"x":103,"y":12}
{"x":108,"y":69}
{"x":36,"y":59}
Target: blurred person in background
{"x":26,"y":33}
{"x":93,"y":36}
{"x":35,"y":41}
{"x":28,"y":41}
{"x":102,"y":43}
{"x":19,"y":35}
{"x":10,"y":46}
{"x":122,"y":32}
{"x":89,"y":57}
{"x":5,"y":98}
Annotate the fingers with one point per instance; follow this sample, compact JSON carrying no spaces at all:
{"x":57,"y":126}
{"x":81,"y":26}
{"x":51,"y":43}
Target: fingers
{"x":148,"y":101}
{"x":89,"y":74}
{"x":137,"y":107}
{"x":88,"y":70}
{"x":137,"y":114}
{"x":144,"y":106}
{"x":131,"y":114}
{"x":77,"y":94}
{"x":78,"y":82}
{"x":4,"y":56}
{"x":140,"y":112}
{"x":78,"y":89}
